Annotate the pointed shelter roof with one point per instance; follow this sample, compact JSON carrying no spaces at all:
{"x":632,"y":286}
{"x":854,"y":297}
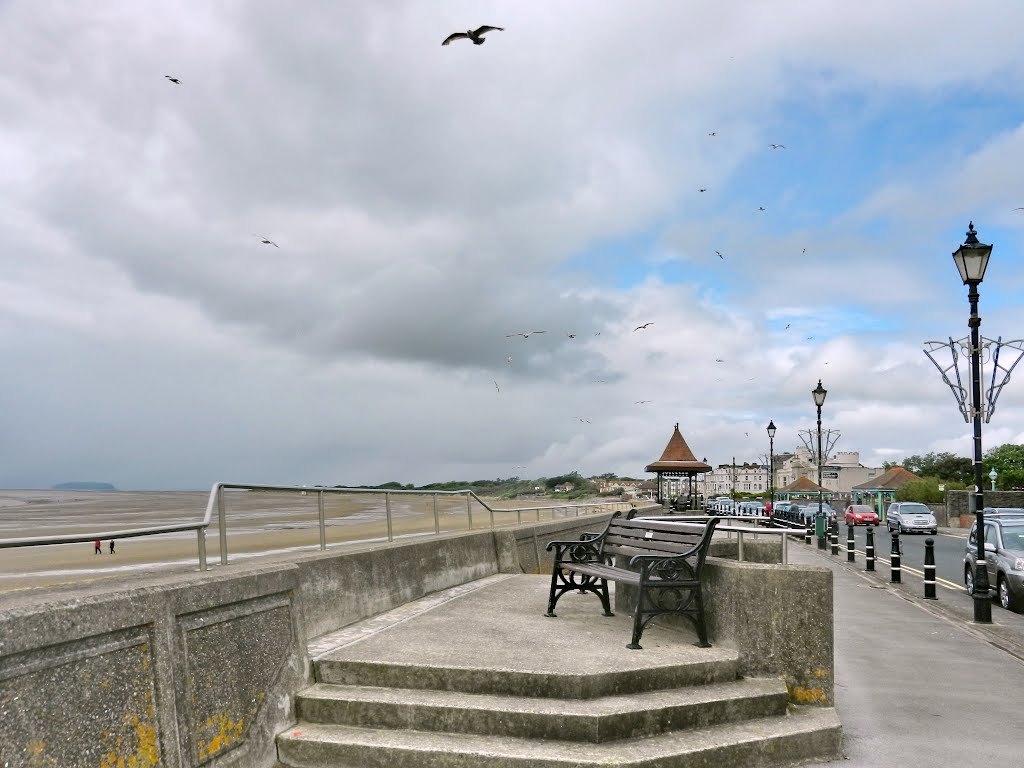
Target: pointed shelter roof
{"x":890,"y":480}
{"x":677,"y":458}
{"x":803,"y":485}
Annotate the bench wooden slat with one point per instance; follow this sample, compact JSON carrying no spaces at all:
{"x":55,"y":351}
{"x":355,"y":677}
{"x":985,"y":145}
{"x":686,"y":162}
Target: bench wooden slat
{"x":664,"y":548}
{"x":654,"y":525}
{"x":604,"y":572}
{"x":681,"y":540}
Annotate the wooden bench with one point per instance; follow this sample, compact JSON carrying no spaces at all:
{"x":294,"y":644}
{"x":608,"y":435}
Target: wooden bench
{"x":668,"y":558}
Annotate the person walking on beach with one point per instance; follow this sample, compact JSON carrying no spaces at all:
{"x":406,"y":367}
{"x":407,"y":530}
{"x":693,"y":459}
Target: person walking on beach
{"x":111,"y":546}
{"x":99,"y":547}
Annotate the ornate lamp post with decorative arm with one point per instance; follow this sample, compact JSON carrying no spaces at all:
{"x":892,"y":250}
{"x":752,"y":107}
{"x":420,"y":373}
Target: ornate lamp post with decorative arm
{"x":972,"y":260}
{"x":771,"y":463}
{"x":819,"y":393}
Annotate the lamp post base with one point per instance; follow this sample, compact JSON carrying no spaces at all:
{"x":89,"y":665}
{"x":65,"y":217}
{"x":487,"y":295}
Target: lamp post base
{"x":982,"y":608}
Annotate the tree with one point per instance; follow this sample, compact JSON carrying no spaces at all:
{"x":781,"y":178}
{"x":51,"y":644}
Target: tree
{"x":945,"y":466}
{"x":926,"y":490}
{"x":1008,"y":461}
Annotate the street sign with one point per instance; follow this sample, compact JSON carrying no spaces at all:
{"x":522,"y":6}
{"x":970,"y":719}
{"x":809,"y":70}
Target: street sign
{"x":830,"y":475}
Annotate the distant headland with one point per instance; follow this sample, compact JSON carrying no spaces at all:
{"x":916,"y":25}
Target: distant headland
{"x":83,"y":486}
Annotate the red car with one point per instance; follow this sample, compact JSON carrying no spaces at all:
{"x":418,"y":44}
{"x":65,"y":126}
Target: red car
{"x":860,"y":514}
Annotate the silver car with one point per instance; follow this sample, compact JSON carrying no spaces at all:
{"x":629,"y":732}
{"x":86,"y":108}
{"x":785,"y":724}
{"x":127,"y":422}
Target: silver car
{"x":910,"y":517}
{"x":1004,"y":556}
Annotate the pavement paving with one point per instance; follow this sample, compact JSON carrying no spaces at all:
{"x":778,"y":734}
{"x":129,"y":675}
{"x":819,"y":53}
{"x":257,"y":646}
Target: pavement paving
{"x":918,"y":683}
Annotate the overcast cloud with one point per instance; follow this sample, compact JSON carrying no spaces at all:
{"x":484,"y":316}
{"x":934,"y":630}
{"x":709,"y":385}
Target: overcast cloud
{"x":430,"y":200}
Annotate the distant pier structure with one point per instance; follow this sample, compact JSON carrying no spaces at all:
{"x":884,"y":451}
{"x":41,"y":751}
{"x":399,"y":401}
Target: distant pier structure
{"x":677,"y":460}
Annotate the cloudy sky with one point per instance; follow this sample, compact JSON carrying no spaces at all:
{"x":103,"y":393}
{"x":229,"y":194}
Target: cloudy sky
{"x":428,"y":201}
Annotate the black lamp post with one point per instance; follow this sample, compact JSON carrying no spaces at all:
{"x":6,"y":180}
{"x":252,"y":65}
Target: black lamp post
{"x":819,"y":393}
{"x":971,"y":260}
{"x":771,"y":463}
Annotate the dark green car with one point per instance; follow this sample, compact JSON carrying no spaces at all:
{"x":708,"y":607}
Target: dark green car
{"x":1004,"y":556}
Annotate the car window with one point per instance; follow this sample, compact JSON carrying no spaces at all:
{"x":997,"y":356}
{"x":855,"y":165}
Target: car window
{"x":915,"y":509}
{"x":973,"y":540}
{"x":1013,"y":539}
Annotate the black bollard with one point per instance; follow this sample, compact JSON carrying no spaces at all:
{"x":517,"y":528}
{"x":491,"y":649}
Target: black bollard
{"x":851,"y":555}
{"x":894,"y":557}
{"x":834,"y":529}
{"x":869,"y":550}
{"x":809,"y":533}
{"x":929,"y":569}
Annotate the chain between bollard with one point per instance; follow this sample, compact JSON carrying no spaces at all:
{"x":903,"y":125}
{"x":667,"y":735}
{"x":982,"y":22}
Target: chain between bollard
{"x":895,"y":570}
{"x":929,"y":570}
{"x":869,"y":550}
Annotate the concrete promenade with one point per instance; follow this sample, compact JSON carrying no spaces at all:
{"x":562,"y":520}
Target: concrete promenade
{"x":917,"y":684}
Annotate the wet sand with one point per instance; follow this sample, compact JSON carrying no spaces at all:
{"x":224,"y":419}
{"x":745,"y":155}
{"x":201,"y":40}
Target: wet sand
{"x":259,"y":524}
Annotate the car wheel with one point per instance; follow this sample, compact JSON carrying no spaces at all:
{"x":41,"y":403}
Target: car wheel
{"x":1005,"y":596}
{"x":969,"y":580}
{"x":900,"y":526}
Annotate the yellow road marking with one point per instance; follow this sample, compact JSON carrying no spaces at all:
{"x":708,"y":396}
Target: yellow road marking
{"x":938,"y":579}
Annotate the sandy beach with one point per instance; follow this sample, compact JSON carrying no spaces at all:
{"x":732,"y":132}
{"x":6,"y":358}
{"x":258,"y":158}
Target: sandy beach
{"x":259,"y":524}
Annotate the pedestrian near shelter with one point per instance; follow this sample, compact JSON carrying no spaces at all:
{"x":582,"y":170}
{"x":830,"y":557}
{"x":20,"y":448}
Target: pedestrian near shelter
{"x":880,"y":491}
{"x":677,"y":460}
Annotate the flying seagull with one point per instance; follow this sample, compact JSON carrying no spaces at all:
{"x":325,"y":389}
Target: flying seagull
{"x":719,"y":360}
{"x":570,"y":335}
{"x":509,"y":360}
{"x":787,"y":326}
{"x":761,"y":208}
{"x":476,"y":35}
{"x":267,"y":241}
{"x":497,"y":387}
{"x":174,"y":80}
{"x":642,"y":402}
{"x":719,"y":254}
{"x":713,"y":133}
{"x":804,"y":251}
{"x":777,"y":146}
{"x":524,"y":335}
{"x":1018,"y":209}
{"x":640,"y":327}
{"x":582,"y":419}
{"x":703,"y":189}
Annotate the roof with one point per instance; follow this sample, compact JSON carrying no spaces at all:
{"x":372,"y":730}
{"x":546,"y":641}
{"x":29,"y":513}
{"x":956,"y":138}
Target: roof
{"x":803,"y":485}
{"x":677,"y":457}
{"x":890,"y":480}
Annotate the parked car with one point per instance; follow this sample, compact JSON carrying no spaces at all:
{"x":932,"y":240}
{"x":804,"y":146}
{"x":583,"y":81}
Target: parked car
{"x":1004,"y":556}
{"x":810,"y":511}
{"x":748,"y":508}
{"x":910,"y":517}
{"x":781,"y":508}
{"x":860,"y":514}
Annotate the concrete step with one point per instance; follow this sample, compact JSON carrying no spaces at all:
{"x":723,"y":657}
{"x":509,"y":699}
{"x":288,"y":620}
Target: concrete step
{"x":595,"y":720}
{"x":803,"y":733}
{"x":712,"y":665}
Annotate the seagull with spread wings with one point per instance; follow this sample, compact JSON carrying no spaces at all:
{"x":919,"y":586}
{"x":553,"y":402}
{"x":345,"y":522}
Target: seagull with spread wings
{"x":266,"y":241}
{"x":777,"y":146}
{"x":174,"y":80}
{"x":719,"y":255}
{"x":761,"y":208}
{"x":642,"y":327}
{"x":497,"y":387}
{"x":642,"y":402}
{"x":523,"y":334}
{"x":476,"y":35}
{"x":580,"y":418}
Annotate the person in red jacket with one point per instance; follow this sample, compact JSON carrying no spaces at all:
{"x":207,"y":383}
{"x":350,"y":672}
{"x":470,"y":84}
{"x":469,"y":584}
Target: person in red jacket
{"x":99,"y":548}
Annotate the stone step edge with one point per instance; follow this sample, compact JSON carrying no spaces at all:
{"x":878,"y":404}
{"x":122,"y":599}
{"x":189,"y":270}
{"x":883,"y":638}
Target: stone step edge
{"x":803,"y":733}
{"x":603,"y":705}
{"x":589,"y":721}
{"x":721,"y":667}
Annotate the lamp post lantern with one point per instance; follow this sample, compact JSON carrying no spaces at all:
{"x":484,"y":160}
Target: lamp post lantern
{"x":771,"y":464}
{"x":972,"y":260}
{"x":819,"y":393}
{"x":992,"y":476}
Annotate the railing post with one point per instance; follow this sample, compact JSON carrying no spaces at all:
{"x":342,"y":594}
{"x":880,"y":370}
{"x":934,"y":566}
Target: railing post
{"x":323,"y":523}
{"x":929,"y":570}
{"x":785,"y":546}
{"x":469,"y":510}
{"x":895,"y":570}
{"x":201,"y":534}
{"x":869,"y":550}
{"x":490,"y":511}
{"x":519,"y":517}
{"x":851,"y":545}
{"x":538,"y":514}
{"x":739,"y":546}
{"x":223,"y":523}
{"x":437,"y":520}
{"x":387,"y":513}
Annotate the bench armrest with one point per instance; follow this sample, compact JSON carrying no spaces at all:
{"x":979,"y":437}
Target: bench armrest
{"x":586,"y":551}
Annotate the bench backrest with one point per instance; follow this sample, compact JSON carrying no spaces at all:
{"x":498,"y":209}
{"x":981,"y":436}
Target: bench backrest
{"x":647,"y":537}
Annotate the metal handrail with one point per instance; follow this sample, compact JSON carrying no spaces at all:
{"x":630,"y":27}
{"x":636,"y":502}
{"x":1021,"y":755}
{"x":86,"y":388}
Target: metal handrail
{"x":216,"y":502}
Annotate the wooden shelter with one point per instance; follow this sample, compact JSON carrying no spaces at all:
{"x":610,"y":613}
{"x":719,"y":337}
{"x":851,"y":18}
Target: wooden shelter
{"x":677,"y":460}
{"x":802,"y":488}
